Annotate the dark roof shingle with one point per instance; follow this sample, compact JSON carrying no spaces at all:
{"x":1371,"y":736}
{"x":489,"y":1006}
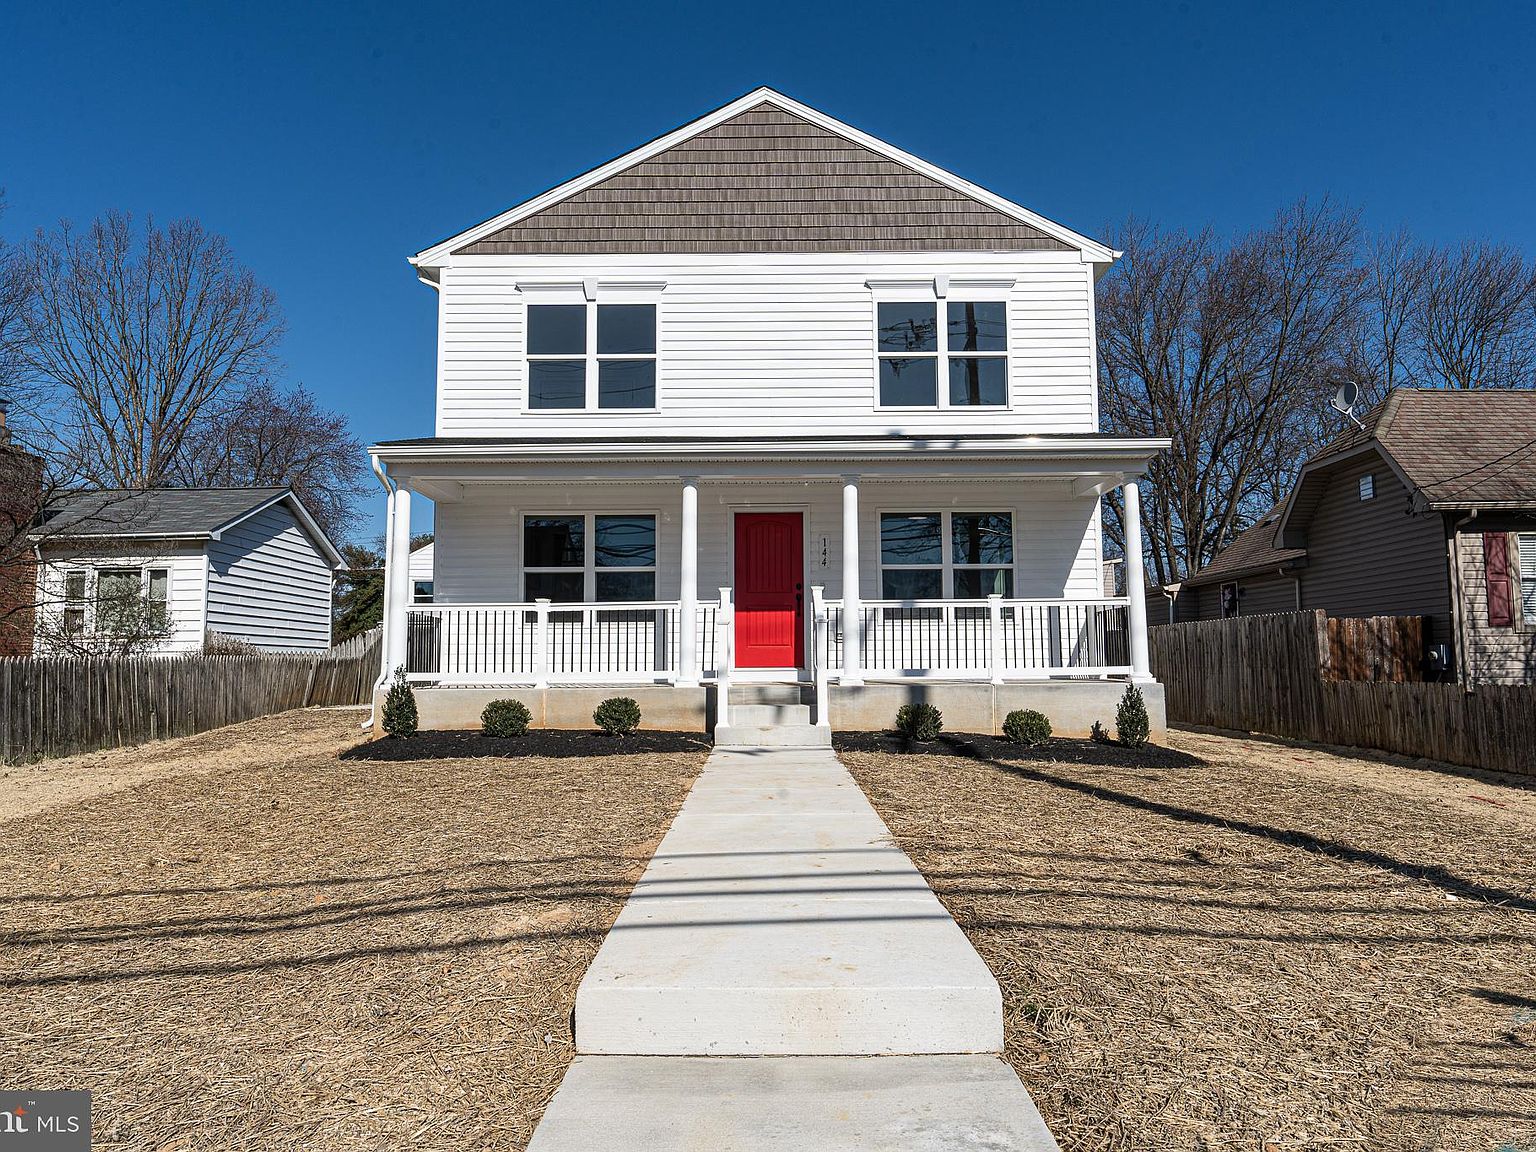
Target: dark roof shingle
{"x":1255,"y":550}
{"x":151,"y":512}
{"x":1458,"y":447}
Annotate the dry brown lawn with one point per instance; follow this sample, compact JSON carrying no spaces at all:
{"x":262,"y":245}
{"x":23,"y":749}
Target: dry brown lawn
{"x":243,"y":942}
{"x":1278,"y":948}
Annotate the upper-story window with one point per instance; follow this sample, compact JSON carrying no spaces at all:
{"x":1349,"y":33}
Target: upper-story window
{"x":960,"y":363}
{"x":589,"y":356}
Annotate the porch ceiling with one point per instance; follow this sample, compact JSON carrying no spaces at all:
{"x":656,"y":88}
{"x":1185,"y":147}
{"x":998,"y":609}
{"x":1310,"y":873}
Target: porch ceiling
{"x":1094,"y":463}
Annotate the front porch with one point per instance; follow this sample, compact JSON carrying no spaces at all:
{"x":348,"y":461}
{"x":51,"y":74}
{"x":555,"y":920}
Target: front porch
{"x":973,"y":565}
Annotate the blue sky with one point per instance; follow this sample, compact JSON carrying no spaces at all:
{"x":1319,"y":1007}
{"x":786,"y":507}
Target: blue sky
{"x":328,"y":142}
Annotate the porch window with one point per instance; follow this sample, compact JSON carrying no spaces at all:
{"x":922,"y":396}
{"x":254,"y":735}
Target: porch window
{"x":930,"y":555}
{"x":968,"y":352}
{"x":591,"y":557}
{"x":591,"y":356}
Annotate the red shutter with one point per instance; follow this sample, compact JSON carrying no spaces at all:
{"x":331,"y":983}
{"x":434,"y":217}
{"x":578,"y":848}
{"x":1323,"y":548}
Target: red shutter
{"x":1501,"y":600}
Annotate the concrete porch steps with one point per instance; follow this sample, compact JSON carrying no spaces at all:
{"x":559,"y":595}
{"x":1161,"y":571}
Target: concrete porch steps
{"x":814,"y":1104}
{"x":770,"y":716}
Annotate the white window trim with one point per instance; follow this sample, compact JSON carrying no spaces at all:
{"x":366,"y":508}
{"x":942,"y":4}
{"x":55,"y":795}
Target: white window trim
{"x":92,"y":599}
{"x":1367,"y":486}
{"x":589,"y":568}
{"x":1525,"y":554}
{"x":941,"y":291}
{"x":592,"y":297}
{"x":948,"y":566}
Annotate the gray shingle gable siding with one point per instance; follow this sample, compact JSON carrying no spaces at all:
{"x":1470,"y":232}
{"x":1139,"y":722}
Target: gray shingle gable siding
{"x":766,"y":181}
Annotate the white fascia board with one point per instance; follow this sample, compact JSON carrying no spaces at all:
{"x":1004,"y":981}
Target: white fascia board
{"x":1063,"y":447}
{"x":1092,"y":251}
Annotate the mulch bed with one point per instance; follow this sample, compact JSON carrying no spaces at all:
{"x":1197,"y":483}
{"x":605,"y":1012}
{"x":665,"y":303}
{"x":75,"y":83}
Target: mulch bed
{"x":1235,"y":955}
{"x":548,"y":743}
{"x":1056,"y":750}
{"x":297,"y":951}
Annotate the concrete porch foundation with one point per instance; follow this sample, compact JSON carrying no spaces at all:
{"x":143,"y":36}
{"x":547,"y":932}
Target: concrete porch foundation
{"x":662,"y":707}
{"x":974,"y":706}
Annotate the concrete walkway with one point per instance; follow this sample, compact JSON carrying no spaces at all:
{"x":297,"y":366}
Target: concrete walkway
{"x":778,"y":920}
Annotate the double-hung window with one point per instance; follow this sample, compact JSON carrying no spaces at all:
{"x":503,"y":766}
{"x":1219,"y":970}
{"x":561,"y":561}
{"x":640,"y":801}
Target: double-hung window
{"x":591,"y":356}
{"x":961,"y":362}
{"x":1525,"y":545}
{"x":589,"y":557}
{"x":74,"y":602}
{"x":929,"y":555}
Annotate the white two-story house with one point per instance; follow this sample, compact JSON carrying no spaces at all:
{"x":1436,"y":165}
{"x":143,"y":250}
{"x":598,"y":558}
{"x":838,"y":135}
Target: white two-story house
{"x":767,"y":399}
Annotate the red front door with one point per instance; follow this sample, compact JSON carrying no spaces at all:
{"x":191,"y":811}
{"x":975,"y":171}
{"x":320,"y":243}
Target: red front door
{"x":770,"y":591}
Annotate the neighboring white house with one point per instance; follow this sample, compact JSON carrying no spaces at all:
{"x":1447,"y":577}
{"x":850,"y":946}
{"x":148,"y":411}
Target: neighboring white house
{"x":247,"y":563}
{"x":768,"y":399}
{"x":421,"y":575}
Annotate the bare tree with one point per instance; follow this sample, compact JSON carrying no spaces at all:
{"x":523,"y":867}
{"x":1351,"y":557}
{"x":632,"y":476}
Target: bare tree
{"x":265,"y":435}
{"x":1473,"y":326}
{"x":138,"y":333}
{"x":1381,"y":355}
{"x":1222,"y":347}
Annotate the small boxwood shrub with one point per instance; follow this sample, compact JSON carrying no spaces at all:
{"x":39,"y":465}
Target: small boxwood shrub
{"x":1099,"y":733}
{"x":617,"y":716}
{"x":505,"y":719}
{"x":400,"y":717}
{"x":919,"y":722}
{"x":1131,"y":723}
{"x":1028,"y":727}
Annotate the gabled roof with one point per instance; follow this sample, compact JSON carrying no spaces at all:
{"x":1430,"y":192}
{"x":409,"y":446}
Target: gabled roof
{"x":170,"y":514}
{"x":764,"y":173}
{"x":1254,"y":551}
{"x":1451,"y":448}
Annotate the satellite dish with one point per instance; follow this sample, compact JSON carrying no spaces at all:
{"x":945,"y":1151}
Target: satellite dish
{"x":1344,"y":401}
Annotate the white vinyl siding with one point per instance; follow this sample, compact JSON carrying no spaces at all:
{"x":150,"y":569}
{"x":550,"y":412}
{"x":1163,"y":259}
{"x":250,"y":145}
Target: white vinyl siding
{"x":478,"y":556}
{"x":269,"y":585}
{"x":774,"y":344}
{"x":185,"y":572}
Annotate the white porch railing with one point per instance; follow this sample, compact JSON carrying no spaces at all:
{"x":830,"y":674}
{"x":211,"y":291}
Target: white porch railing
{"x":994,"y":639}
{"x":543,"y":643}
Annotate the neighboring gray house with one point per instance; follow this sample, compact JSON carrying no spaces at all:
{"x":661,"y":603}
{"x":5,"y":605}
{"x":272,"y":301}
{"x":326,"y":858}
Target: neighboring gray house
{"x":1429,"y":510}
{"x":247,"y":563}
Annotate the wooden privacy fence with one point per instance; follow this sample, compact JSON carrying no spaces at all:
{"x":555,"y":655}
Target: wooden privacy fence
{"x":1389,"y":648}
{"x":55,"y":706}
{"x":1275,"y":675}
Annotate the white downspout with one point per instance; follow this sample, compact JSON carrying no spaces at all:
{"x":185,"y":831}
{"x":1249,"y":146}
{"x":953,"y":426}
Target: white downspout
{"x":389,"y":576}
{"x":1458,"y":606}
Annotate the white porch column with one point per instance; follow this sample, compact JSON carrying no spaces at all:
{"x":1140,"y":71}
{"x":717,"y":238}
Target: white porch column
{"x":390,"y":576}
{"x":397,"y":581}
{"x":853,"y":616}
{"x":688,"y":588}
{"x":1135,"y":582}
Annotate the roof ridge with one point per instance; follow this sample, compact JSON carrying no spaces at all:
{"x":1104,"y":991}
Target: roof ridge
{"x":1388,"y":413}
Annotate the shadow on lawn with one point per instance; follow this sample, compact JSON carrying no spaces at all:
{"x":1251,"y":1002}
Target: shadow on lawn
{"x":1434,"y":874}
